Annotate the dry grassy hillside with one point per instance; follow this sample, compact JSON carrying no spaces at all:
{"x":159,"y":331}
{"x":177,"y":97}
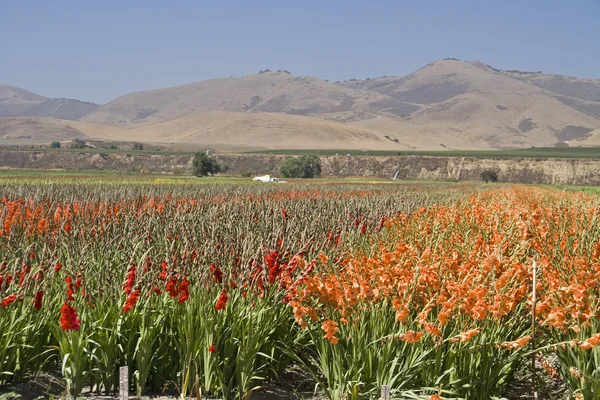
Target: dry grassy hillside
{"x":592,"y":139}
{"x":448,"y":104}
{"x":26,"y":130}
{"x":219,"y":130}
{"x":476,"y":103}
{"x":276,"y":92}
{"x":17,"y":102}
{"x":234,"y":131}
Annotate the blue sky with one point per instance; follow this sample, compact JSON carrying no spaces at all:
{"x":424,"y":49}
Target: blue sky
{"x":99,"y":50}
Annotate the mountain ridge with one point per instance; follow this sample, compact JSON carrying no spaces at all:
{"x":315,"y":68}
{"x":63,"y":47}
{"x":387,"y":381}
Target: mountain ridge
{"x":445,"y":104}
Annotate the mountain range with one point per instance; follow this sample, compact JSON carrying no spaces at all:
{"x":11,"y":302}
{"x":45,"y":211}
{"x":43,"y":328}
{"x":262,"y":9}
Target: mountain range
{"x":448,"y":104}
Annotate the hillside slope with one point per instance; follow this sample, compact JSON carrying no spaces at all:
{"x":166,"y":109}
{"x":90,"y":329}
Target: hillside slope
{"x":477,"y":102}
{"x":275,"y":92}
{"x":218,"y":130}
{"x":17,"y":102}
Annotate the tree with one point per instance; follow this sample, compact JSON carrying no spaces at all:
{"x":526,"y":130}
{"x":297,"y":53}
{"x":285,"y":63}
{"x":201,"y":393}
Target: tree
{"x":55,"y":145}
{"x":77,"y":144}
{"x":138,"y":146}
{"x":301,"y":167}
{"x":489,"y":176}
{"x":204,"y":165}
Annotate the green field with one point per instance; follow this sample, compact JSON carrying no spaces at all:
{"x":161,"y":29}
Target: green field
{"x":542,"y":152}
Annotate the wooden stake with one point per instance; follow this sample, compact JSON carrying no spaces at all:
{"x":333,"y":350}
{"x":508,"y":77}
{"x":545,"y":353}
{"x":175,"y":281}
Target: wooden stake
{"x":123,"y":383}
{"x":533,"y":302}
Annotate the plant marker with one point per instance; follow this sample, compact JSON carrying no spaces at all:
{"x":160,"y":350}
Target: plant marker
{"x":123,"y":383}
{"x":385,"y":392}
{"x":533,"y":301}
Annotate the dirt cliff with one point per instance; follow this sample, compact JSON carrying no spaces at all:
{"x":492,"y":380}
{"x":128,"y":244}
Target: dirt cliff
{"x":522,"y":170}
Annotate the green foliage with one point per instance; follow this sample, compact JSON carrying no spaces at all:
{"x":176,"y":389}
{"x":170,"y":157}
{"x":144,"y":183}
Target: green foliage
{"x":306,"y":166}
{"x":77,"y":144}
{"x":55,"y":145}
{"x":204,"y":165}
{"x":138,"y":146}
{"x":489,"y":176}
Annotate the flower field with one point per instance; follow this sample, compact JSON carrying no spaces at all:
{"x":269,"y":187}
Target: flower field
{"x":215,"y":290}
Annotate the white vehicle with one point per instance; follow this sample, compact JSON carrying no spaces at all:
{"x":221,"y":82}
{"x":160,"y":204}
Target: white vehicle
{"x":267,"y":178}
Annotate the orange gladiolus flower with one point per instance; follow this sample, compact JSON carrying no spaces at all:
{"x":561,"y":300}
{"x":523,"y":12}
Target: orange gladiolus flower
{"x":330,"y":328}
{"x":411,"y":336}
{"x":516,"y":344}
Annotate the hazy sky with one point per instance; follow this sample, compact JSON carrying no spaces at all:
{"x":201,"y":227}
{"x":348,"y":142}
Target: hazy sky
{"x":99,"y":50}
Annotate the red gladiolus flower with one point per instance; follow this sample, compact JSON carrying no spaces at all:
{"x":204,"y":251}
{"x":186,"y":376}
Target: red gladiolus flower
{"x":131,"y":301}
{"x":70,"y":290}
{"x":130,"y":279}
{"x":24,"y":272}
{"x":3,"y":265}
{"x":212,"y":349}
{"x":284,"y":213}
{"x":183,"y":290}
{"x":163,"y":272}
{"x":217,"y":274}
{"x":222,"y":301}
{"x":37,"y":299}
{"x":57,"y":268}
{"x":172,"y":287}
{"x":68,"y":318}
{"x":8,"y":300}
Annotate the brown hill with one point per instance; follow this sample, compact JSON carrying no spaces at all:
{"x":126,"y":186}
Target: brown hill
{"x":448,"y":104}
{"x":16,"y":102}
{"x":223,"y":131}
{"x":27,"y":130}
{"x":479,"y":103}
{"x":275,"y":92}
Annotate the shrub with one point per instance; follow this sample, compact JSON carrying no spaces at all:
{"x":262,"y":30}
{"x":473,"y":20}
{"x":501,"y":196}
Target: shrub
{"x":55,"y":145}
{"x":138,"y":146}
{"x":77,"y":144}
{"x":301,"y":167}
{"x":489,"y":176}
{"x":204,"y":165}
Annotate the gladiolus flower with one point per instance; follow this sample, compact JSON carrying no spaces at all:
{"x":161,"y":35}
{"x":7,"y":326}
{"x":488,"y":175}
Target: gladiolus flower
{"x":37,"y":300}
{"x":8,"y":300}
{"x":172,"y":287}
{"x":217,"y":273}
{"x":590,"y":343}
{"x":131,"y":301}
{"x":516,"y":344}
{"x":330,"y":328}
{"x":464,"y":337}
{"x":212,"y":349}
{"x":130,"y":279}
{"x":68,"y":318}
{"x":57,"y":268}
{"x":411,"y":337}
{"x":222,"y":301}
{"x":183,"y":290}
{"x":163,"y":271}
{"x":70,"y":290}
